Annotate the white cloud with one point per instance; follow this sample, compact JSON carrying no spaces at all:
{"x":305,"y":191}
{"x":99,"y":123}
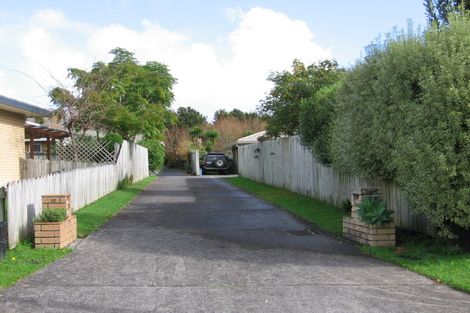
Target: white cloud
{"x":262,"y":41}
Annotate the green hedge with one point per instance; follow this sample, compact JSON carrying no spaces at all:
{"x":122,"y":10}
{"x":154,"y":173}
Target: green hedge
{"x":156,"y":153}
{"x":316,"y":116}
{"x":403,"y":113}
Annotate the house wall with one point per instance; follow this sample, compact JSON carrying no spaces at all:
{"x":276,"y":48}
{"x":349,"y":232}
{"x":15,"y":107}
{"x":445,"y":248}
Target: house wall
{"x":11,"y":145}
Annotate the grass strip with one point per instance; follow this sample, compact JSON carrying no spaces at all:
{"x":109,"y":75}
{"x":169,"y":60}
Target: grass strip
{"x":444,"y":263}
{"x":24,"y":260}
{"x":324,"y":215}
{"x":91,"y":217}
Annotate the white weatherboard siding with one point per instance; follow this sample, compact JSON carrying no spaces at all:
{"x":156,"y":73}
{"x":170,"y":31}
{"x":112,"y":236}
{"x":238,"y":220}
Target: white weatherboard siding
{"x":285,"y":163}
{"x":85,"y":185}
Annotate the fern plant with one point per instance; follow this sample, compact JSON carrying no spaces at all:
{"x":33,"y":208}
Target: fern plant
{"x":374,"y":212}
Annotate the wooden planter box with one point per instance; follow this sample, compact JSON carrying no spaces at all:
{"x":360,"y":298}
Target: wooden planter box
{"x":55,"y":234}
{"x":371,"y":235}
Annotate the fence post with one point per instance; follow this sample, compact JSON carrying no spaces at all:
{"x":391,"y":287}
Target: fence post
{"x":3,"y":224}
{"x":3,"y":208}
{"x":195,"y":163}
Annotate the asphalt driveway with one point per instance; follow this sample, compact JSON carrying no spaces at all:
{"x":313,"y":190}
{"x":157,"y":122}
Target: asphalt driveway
{"x":197,"y":244}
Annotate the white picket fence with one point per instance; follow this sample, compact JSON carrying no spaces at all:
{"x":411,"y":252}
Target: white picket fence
{"x":85,"y":185}
{"x":285,"y":163}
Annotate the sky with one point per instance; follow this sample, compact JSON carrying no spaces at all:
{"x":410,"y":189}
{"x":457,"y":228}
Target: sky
{"x":221,"y":52}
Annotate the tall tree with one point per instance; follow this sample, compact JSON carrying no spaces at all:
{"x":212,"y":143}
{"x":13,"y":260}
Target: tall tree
{"x":238,"y":114}
{"x":235,"y":113}
{"x":438,"y":11}
{"x":81,"y":107}
{"x":281,"y":107}
{"x":133,"y":99}
{"x":189,"y":117}
{"x":220,"y":114}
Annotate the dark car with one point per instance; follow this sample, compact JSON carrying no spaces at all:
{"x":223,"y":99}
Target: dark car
{"x":215,"y":161}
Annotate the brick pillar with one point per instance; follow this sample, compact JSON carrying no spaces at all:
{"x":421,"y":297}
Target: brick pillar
{"x":57,"y":202}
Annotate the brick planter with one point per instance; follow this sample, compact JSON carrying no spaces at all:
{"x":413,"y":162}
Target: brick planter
{"x":356,"y":230}
{"x":55,"y":234}
{"x":371,"y":235}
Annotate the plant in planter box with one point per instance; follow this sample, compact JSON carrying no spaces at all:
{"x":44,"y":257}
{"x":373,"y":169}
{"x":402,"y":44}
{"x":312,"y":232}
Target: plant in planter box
{"x":52,"y":215}
{"x":374,"y":212}
{"x":370,"y":223}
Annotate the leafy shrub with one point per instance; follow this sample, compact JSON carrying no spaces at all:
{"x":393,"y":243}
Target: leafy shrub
{"x":125,"y":182}
{"x":52,"y":215}
{"x":316,"y":116}
{"x":196,"y":132}
{"x":113,"y":137}
{"x":374,"y":212}
{"x":433,"y":156}
{"x":402,"y":114}
{"x":374,"y":101}
{"x":156,"y":153}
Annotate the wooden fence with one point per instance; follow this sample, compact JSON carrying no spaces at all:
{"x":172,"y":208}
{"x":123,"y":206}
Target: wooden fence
{"x":85,"y":185}
{"x":31,"y":168}
{"x":285,"y":163}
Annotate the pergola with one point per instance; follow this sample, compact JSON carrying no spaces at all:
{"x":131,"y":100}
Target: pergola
{"x":34,"y":130}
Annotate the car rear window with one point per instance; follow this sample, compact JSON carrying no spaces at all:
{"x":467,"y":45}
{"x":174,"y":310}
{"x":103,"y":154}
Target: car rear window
{"x":214,"y":157}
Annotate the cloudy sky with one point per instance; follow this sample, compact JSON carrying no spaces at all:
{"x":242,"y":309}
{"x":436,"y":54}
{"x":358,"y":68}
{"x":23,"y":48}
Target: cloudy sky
{"x":220,"y":51}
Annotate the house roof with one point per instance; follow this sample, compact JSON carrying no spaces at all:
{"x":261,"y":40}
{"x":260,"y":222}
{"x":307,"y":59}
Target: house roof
{"x":15,"y":106}
{"x":251,"y":138}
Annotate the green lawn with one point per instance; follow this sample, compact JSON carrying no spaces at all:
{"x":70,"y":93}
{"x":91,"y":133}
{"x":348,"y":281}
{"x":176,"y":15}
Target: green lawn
{"x":445,"y":263}
{"x":325,"y":216}
{"x":442,"y":262}
{"x":24,"y":259}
